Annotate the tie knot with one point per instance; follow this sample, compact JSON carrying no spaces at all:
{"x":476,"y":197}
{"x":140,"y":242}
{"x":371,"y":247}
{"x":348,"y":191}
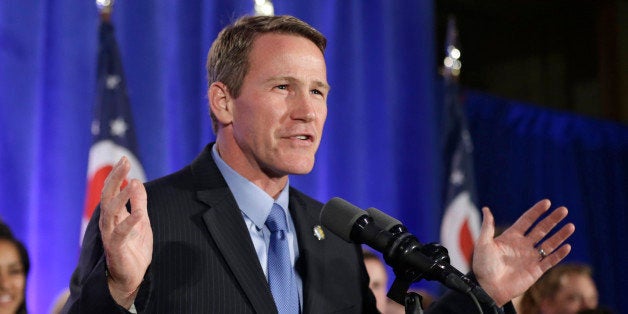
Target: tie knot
{"x":276,"y":220}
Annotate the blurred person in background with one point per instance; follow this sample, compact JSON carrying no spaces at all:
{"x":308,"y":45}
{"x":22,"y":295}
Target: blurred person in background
{"x":14,"y":266}
{"x":565,"y":289}
{"x":378,"y":279}
{"x":378,"y":283}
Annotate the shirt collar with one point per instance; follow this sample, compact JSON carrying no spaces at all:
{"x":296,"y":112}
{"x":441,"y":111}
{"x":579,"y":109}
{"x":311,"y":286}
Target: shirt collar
{"x":254,"y":202}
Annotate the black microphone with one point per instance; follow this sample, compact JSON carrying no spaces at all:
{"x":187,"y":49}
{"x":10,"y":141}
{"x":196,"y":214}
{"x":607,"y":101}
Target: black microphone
{"x":386,"y":222}
{"x":402,"y":251}
{"x":433,"y":250}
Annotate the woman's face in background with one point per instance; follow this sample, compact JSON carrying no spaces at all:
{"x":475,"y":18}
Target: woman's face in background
{"x":12,"y":278}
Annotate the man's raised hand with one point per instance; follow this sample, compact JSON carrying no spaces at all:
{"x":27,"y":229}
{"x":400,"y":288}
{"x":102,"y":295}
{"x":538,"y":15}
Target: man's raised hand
{"x":127,"y":237}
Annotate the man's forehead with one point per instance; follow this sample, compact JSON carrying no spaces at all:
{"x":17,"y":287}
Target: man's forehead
{"x":283,"y":59}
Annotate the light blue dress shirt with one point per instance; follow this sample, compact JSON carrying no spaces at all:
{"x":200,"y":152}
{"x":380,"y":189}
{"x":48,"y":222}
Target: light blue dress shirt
{"x":255,"y":205}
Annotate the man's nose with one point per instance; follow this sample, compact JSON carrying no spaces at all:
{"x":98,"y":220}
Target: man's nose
{"x":303,"y":107}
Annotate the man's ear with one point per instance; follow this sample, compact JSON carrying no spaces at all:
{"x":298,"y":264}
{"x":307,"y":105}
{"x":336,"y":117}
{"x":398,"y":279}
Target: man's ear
{"x":220,"y":102}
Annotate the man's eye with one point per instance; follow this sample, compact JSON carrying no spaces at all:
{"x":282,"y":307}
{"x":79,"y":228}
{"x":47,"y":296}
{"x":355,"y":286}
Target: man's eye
{"x":283,"y":86}
{"x":316,"y":92}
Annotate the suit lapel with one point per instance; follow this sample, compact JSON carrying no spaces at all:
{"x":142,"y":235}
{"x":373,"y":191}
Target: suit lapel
{"x":227,"y":228}
{"x":311,"y":251}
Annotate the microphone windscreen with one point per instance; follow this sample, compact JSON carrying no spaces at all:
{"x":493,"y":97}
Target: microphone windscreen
{"x":384,"y":221}
{"x":339,"y":216}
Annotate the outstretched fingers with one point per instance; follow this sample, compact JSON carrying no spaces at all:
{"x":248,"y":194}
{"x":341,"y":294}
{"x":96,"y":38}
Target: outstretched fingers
{"x":556,"y":245}
{"x":530,"y":216}
{"x":547,"y":224}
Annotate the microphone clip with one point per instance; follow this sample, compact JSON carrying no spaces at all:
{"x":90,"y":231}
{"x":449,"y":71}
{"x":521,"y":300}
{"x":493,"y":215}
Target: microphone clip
{"x":406,"y":274}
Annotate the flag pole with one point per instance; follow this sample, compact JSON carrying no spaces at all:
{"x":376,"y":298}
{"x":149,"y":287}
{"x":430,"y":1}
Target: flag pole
{"x":112,"y":128}
{"x":105,"y":7}
{"x":461,"y":221}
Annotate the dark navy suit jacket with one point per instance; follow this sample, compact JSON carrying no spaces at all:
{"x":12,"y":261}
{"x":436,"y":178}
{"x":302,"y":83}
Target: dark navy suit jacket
{"x":204,"y":260}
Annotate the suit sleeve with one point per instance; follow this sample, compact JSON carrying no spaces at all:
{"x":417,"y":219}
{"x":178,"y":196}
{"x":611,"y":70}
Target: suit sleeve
{"x":89,"y":291}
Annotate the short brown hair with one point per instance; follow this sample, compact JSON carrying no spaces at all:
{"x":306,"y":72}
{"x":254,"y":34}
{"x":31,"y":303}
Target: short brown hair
{"x":227,"y":60}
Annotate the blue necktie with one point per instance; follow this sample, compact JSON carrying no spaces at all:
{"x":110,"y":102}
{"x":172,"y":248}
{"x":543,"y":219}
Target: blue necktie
{"x":281,"y":278}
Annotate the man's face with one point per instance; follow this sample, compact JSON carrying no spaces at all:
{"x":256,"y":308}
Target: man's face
{"x":279,"y":115}
{"x":577,"y":292}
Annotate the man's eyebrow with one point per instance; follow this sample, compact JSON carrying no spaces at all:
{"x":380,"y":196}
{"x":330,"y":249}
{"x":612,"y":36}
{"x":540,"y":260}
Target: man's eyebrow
{"x":279,"y":78}
{"x":323,"y":85}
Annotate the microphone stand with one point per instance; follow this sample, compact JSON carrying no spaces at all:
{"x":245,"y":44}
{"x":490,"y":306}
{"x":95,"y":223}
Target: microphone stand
{"x":404,"y":277}
{"x":398,"y":292}
{"x":413,"y":303}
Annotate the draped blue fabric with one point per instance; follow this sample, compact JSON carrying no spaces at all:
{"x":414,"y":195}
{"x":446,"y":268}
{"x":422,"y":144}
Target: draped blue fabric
{"x":380,"y":146}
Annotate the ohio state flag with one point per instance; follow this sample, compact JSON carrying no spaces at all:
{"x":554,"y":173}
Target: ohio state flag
{"x":461,"y":218}
{"x":112,"y":128}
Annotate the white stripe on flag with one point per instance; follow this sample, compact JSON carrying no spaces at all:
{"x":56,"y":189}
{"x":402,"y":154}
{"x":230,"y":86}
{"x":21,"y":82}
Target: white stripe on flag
{"x":460,"y":229}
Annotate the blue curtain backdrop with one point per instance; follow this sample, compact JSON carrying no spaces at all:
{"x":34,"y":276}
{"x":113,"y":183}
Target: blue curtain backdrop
{"x":380,"y":146}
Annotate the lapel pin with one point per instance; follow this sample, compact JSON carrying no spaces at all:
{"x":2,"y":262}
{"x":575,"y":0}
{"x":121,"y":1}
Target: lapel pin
{"x":319,"y":233}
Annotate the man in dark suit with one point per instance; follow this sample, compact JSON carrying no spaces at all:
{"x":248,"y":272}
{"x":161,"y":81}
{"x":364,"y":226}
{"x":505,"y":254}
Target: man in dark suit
{"x":197,"y":241}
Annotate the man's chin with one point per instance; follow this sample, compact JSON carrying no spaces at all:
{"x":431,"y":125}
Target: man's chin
{"x":299,"y":168}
